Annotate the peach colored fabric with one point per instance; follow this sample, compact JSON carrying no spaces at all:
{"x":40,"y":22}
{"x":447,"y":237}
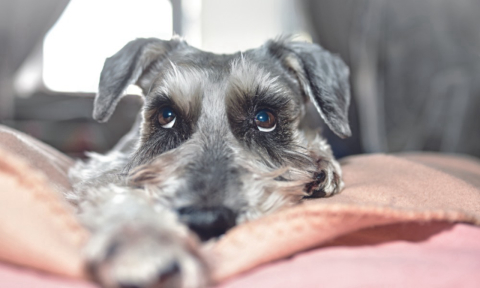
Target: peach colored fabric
{"x":37,"y":228}
{"x":380,"y":190}
{"x":39,"y":156}
{"x":19,"y":277}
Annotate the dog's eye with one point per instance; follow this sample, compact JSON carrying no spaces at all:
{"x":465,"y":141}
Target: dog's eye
{"x":167,"y":117}
{"x":265,"y":121}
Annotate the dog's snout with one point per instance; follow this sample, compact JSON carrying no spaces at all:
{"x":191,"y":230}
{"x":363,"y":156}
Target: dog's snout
{"x":207,"y":222}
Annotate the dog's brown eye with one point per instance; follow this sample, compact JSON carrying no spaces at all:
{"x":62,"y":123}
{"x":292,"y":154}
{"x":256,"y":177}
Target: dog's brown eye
{"x":265,"y":121}
{"x":167,"y":117}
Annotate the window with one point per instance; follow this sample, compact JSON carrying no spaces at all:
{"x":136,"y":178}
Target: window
{"x":89,"y":31}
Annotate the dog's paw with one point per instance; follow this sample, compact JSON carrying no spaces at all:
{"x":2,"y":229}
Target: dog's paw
{"x":135,"y":256}
{"x":327,"y":180}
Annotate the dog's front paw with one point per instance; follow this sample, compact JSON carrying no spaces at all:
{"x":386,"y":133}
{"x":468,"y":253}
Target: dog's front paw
{"x":135,"y":256}
{"x":327,"y":180}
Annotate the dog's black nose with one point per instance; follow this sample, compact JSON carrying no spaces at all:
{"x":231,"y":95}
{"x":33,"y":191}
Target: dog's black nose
{"x":207,"y":222}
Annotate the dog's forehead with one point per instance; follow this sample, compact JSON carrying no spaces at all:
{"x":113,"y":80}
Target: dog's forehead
{"x":194,"y":75}
{"x":218,"y":67}
{"x":218,"y":63}
{"x":203,"y":60}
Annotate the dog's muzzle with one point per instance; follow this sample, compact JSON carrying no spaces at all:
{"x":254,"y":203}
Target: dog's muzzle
{"x":207,"y":222}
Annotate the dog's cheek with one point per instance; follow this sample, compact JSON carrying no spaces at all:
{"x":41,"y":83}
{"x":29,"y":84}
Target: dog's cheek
{"x":273,"y":143}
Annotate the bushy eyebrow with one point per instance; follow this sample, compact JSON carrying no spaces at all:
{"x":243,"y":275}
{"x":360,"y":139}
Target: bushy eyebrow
{"x":179,"y":86}
{"x":248,"y":102}
{"x":187,"y":105}
{"x":252,"y":87}
{"x":158,"y":100}
{"x":263,"y":97}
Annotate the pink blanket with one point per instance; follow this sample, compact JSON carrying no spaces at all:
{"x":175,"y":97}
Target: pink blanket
{"x":397,"y":255}
{"x":404,"y":194}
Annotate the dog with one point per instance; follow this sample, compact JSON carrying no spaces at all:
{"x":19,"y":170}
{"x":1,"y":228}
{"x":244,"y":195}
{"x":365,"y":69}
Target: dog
{"x":221,"y":139}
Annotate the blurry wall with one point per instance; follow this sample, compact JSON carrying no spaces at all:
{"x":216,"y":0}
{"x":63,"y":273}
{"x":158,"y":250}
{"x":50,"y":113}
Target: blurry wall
{"x":229,"y":26}
{"x":415,"y":69}
{"x":22,"y":26}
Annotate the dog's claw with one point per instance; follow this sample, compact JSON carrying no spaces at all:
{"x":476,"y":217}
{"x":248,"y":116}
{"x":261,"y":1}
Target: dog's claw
{"x":326,"y":182}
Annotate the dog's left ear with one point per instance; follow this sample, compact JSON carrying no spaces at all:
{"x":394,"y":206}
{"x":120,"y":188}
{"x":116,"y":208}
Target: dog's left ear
{"x":126,"y":67}
{"x":322,"y":76}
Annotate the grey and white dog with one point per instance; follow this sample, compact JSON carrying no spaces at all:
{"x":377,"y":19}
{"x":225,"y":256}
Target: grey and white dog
{"x":221,"y":140}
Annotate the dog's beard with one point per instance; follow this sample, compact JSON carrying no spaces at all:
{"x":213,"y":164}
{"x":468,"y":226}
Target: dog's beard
{"x":263,"y":190}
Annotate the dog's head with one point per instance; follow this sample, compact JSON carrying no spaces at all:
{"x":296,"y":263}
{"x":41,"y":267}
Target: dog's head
{"x":222,"y":137}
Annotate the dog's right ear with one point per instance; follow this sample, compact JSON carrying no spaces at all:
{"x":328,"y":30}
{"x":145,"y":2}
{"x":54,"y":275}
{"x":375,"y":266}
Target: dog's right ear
{"x":322,"y":76}
{"x":125,"y":68}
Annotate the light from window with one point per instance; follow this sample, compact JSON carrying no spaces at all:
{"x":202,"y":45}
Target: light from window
{"x":89,"y":31}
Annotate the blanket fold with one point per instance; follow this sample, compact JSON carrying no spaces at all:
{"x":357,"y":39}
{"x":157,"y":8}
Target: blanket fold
{"x":37,"y":227}
{"x":380,"y":190}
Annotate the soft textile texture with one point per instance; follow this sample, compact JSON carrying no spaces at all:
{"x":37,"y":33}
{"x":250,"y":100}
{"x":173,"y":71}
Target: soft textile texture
{"x":433,"y":254}
{"x":39,"y":156}
{"x":37,"y":228}
{"x":380,"y":190}
{"x":19,"y":277}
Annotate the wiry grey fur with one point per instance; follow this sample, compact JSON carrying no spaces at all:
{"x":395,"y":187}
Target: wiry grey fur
{"x":213,"y":163}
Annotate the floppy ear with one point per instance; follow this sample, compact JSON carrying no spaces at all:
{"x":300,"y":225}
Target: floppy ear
{"x":125,"y":68}
{"x":322,"y":76}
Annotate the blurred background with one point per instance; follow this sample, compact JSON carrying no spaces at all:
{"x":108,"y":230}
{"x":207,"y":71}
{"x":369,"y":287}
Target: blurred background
{"x":415,"y":64}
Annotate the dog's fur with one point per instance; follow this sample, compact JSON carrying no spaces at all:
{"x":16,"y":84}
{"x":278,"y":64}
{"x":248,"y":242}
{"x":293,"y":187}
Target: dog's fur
{"x":213,"y":169}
